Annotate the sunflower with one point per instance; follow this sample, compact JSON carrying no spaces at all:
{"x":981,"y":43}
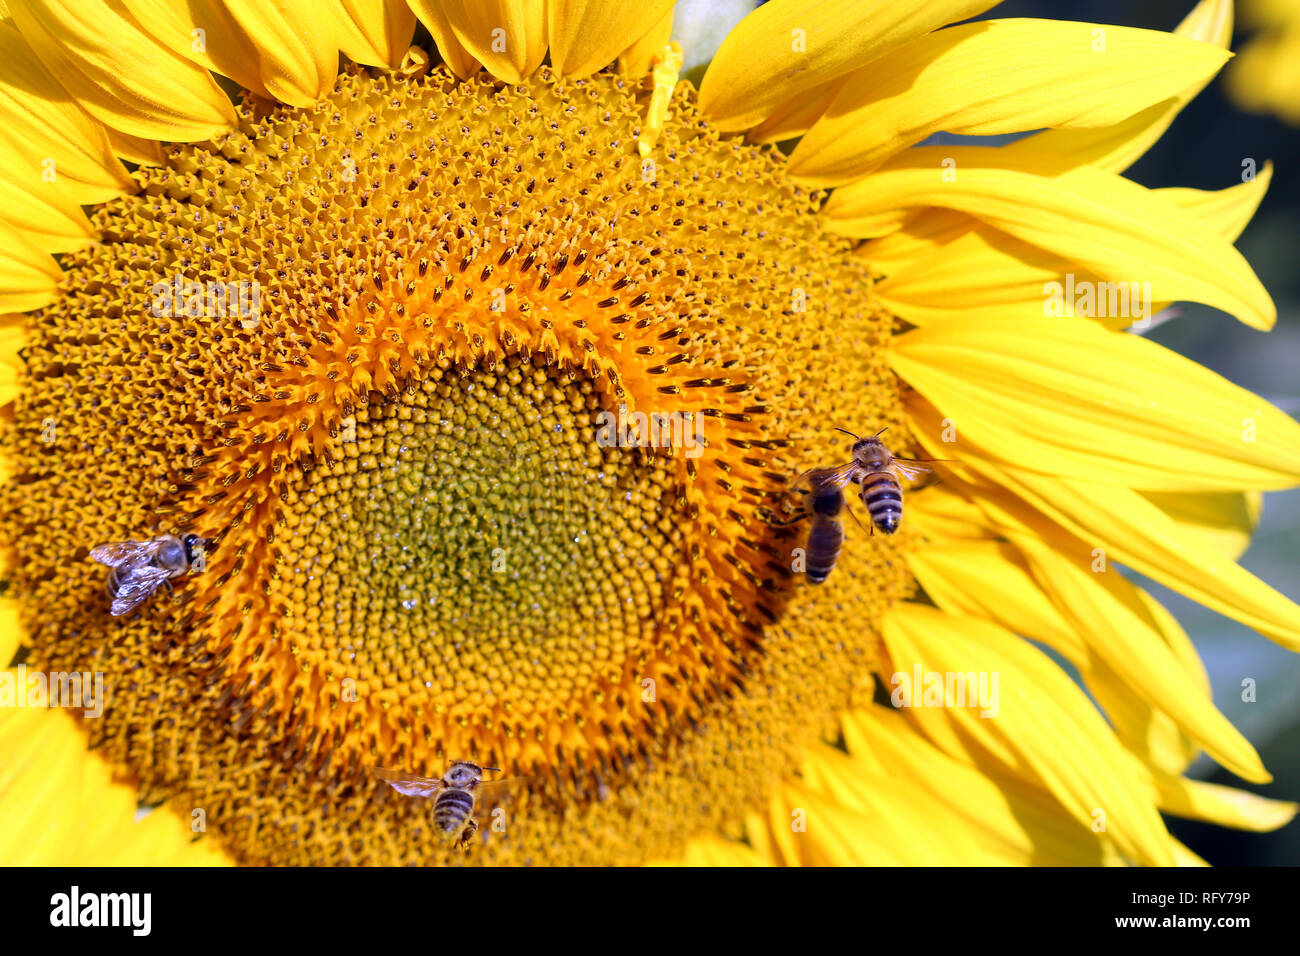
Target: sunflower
{"x":361,"y":331}
{"x":1266,"y":76}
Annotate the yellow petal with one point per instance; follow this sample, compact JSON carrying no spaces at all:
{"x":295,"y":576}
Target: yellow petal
{"x":506,"y":36}
{"x":586,"y":35}
{"x":986,"y":274}
{"x":1065,"y":397}
{"x":205,"y":33}
{"x":145,"y":152}
{"x":121,"y":75}
{"x":1108,"y":225}
{"x":915,"y":238}
{"x":639,"y":56}
{"x":1024,"y":825}
{"x":458,"y":59}
{"x":943,"y":516}
{"x":1044,"y":728}
{"x":993,"y":581}
{"x":1130,"y":530}
{"x":795,"y":116}
{"x":11,"y":630}
{"x":1222,"y":521}
{"x":13,"y":336}
{"x":298,"y":52}
{"x":42,"y":212}
{"x":59,"y":805}
{"x":1117,"y":147}
{"x":786,"y":47}
{"x":375,"y":32}
{"x":1106,"y":610}
{"x":28,"y":277}
{"x":992,"y":77}
{"x":40,"y":127}
{"x":1226,"y":806}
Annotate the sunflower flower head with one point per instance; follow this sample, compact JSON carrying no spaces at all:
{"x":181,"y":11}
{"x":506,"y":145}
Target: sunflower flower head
{"x":484,"y":368}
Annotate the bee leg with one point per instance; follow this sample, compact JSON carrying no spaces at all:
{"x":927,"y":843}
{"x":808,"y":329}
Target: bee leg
{"x":467,"y":834}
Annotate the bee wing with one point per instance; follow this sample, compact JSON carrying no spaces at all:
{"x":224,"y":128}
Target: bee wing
{"x":490,"y":792}
{"x":838,"y":476}
{"x":120,"y":552}
{"x":136,"y":585}
{"x":917,"y":471}
{"x":409,"y":783}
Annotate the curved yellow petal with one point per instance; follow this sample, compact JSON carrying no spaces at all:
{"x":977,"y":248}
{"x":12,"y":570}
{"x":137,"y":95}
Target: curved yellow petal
{"x":787,"y":47}
{"x":1066,"y":397}
{"x":991,"y":77}
{"x":1106,"y":609}
{"x":458,"y":59}
{"x":42,"y":130}
{"x":914,"y":238}
{"x":587,"y":35}
{"x":640,"y":55}
{"x":61,"y":806}
{"x":11,"y":630}
{"x":1226,"y":806}
{"x":13,"y":336}
{"x":375,"y":32}
{"x":1044,"y":728}
{"x":205,"y":33}
{"x":993,"y":581}
{"x":297,"y":47}
{"x":1223,"y":521}
{"x":1105,"y":223}
{"x":43,"y":213}
{"x":986,"y":274}
{"x":1027,"y":827}
{"x":145,"y":152}
{"x":944,"y":516}
{"x":507,"y":36}
{"x":1130,"y":530}
{"x":795,"y":116}
{"x":1117,"y":147}
{"x":28,"y":277}
{"x":120,"y":74}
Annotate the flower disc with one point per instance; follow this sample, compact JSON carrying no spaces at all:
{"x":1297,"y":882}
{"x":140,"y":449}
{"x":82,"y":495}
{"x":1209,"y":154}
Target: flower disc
{"x":423,"y":546}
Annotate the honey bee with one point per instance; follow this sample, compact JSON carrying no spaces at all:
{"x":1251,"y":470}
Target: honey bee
{"x":455,"y":795}
{"x":140,"y":567}
{"x":875,"y":469}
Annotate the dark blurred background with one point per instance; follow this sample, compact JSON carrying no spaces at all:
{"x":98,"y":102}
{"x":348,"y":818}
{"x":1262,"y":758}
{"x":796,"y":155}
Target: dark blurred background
{"x":1204,"y":149}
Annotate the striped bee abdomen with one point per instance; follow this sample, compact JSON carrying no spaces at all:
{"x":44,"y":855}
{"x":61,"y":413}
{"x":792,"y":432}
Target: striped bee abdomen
{"x":826,"y":534}
{"x":883,"y":497}
{"x":452,"y":809}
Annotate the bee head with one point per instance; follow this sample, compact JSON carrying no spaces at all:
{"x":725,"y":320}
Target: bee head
{"x":463,"y":773}
{"x":193,"y":545}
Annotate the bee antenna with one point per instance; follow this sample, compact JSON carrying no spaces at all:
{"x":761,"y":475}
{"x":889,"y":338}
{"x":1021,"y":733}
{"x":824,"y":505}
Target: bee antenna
{"x":497,"y":769}
{"x":881,"y":432}
{"x":847,"y":432}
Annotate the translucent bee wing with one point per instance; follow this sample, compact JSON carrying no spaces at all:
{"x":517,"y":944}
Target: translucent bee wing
{"x":409,"y":783}
{"x":120,"y":552}
{"x":912,"y":470}
{"x":136,"y":585}
{"x":497,"y":791}
{"x":838,"y":476}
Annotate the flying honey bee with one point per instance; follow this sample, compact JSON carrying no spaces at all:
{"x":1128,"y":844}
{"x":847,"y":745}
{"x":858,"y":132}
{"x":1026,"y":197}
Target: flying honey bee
{"x":140,"y":567}
{"x":876,"y":470}
{"x":455,"y":795}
